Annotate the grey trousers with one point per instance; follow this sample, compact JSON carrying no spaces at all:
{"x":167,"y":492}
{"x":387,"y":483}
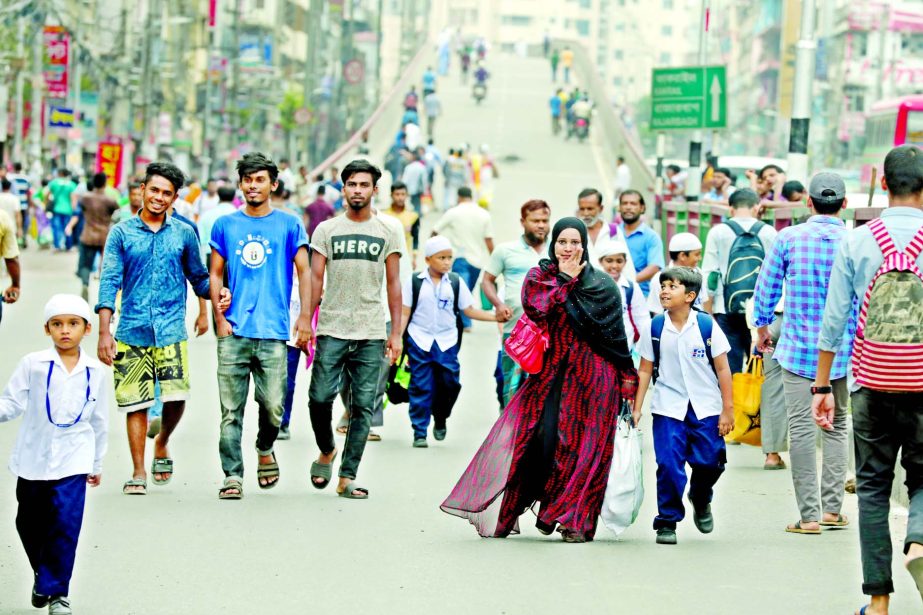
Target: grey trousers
{"x":773,"y":418}
{"x":804,"y":448}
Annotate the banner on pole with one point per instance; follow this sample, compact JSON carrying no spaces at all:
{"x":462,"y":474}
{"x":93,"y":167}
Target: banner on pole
{"x":55,"y":65}
{"x":109,"y":161}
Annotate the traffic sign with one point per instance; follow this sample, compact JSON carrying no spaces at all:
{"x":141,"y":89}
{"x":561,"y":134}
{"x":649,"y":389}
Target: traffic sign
{"x":303,"y":115}
{"x":60,"y":117}
{"x":354,"y":72}
{"x":689,"y":98}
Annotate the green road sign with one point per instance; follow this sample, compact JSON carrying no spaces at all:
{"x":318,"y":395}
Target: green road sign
{"x":688,"y":98}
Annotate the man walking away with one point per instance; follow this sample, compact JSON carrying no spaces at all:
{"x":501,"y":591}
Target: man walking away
{"x":97,"y":210}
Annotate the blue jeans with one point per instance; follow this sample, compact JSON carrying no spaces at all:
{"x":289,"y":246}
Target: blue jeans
{"x":294,"y":360}
{"x":434,"y":385}
{"x":58,"y":224}
{"x":361,"y":362}
{"x":238,"y":359}
{"x":49,"y":520}
{"x":677,"y":443}
{"x":469,"y":274}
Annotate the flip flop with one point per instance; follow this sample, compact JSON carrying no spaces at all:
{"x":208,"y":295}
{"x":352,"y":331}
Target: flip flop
{"x":322,"y":470}
{"x":774,"y":466}
{"x":267,"y":471}
{"x":863,"y":609}
{"x":231,"y":483}
{"x":915,"y":568}
{"x":795,"y":528}
{"x":373,"y":437}
{"x":161,"y":465}
{"x":135,"y":482}
{"x":841,"y":521}
{"x":349,"y":495}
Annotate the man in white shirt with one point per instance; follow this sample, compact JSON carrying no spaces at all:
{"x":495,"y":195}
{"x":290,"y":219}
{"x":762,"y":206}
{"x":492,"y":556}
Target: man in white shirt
{"x":207,"y":200}
{"x":286,"y":175}
{"x":590,"y":210}
{"x":622,"y":177}
{"x":416,"y":176}
{"x":469,"y":229}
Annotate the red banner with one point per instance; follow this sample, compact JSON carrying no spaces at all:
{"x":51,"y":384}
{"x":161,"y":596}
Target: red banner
{"x":56,"y":53}
{"x":109,"y":161}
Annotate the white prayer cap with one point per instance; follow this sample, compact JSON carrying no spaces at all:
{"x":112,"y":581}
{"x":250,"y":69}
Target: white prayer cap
{"x":611,"y":248}
{"x":60,"y":305}
{"x":436,"y":244}
{"x":684,"y":242}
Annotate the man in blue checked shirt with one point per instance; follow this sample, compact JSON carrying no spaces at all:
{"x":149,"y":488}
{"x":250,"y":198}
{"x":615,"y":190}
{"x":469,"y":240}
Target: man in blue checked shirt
{"x":802,"y":258}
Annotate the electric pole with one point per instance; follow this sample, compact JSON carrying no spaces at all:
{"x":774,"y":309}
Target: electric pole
{"x":801,"y":96}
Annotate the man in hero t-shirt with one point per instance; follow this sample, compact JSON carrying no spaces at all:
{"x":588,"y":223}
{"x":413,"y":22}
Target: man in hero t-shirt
{"x":357,"y":251}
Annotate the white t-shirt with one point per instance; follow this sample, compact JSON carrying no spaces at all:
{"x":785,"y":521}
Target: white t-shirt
{"x":622,"y":178}
{"x":434,"y":318}
{"x":205,"y":203}
{"x":718,"y":249}
{"x":466,"y":226}
{"x":686,"y":376}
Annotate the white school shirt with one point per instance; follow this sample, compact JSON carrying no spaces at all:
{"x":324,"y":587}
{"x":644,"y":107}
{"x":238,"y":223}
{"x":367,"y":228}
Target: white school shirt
{"x":685,"y":373}
{"x":638,"y":308}
{"x":44,"y":451}
{"x":434,"y":318}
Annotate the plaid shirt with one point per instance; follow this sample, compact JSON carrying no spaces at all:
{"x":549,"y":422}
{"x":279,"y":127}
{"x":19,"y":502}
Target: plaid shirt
{"x":802,"y":257}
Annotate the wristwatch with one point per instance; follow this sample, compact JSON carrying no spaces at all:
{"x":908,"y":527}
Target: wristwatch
{"x":815,"y":390}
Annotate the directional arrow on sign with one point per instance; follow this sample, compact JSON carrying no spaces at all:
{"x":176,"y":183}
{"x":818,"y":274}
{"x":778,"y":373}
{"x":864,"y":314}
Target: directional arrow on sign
{"x":715,"y":91}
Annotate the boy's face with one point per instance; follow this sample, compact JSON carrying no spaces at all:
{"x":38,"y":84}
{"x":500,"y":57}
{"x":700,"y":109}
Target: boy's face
{"x":67,"y":330}
{"x":440,"y":262}
{"x":673,"y":295}
{"x":613,"y":265}
{"x":689,"y":259}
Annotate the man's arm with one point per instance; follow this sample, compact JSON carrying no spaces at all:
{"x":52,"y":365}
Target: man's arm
{"x":11,"y":294}
{"x":767,"y":294}
{"x":110,"y":281}
{"x":303,"y":332}
{"x":395,"y":304}
{"x":194,"y":268}
{"x":318,"y":266}
{"x":726,"y":419}
{"x":647,"y":273}
{"x":216,"y":284}
{"x":489,"y":242}
{"x":489,"y":286}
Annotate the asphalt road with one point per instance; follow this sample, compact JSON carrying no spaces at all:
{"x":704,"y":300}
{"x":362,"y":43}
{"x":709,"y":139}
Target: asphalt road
{"x":294,"y":549}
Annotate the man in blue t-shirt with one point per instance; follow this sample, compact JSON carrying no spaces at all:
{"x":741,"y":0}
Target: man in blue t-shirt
{"x":257,"y":248}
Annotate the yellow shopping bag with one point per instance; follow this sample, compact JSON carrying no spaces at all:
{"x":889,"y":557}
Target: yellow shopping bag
{"x":747,"y":392}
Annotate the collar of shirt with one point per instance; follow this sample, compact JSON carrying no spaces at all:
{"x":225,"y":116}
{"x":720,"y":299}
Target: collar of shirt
{"x":51,"y":355}
{"x":899,"y":211}
{"x":691,"y":321}
{"x":642,"y":228}
{"x":821,"y":219}
{"x":543,"y":249}
{"x":138,"y":223}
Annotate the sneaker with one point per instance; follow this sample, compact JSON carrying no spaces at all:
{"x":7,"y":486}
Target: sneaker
{"x":153,"y":428}
{"x":440,"y":432}
{"x":704,"y":521}
{"x":284,"y":433}
{"x":666,"y":536}
{"x":60,"y":605}
{"x":39,"y":600}
{"x":420,"y":443}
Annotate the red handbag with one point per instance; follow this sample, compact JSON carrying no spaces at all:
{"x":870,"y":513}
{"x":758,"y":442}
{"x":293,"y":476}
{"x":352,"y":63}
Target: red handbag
{"x":527,"y":344}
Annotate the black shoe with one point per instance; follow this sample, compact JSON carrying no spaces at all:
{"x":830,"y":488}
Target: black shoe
{"x":39,"y":601}
{"x":420,"y":443}
{"x":666,"y":536}
{"x":703,"y":518}
{"x":440,"y":432}
{"x":284,"y":434}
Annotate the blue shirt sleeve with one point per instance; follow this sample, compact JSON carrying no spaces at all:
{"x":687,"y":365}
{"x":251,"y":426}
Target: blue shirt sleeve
{"x":216,"y":241}
{"x":299,"y":237}
{"x":192,"y":264}
{"x":113,"y":268}
{"x":840,"y":297}
{"x":769,"y":284}
{"x":655,"y":249}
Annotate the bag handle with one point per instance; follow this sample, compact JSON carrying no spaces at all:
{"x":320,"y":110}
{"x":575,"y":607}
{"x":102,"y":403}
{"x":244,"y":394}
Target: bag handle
{"x":755,"y":365}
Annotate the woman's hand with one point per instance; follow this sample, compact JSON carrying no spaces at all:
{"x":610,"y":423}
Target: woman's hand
{"x":573,"y":264}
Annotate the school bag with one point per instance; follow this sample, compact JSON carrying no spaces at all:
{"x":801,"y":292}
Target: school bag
{"x":744,"y":261}
{"x":888,"y":351}
{"x":629,"y":295}
{"x":705,"y":328}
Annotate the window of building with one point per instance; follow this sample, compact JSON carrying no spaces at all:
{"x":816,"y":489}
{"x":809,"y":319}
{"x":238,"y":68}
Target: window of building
{"x":617,"y":81}
{"x":516,"y":20}
{"x":666,"y":30}
{"x":620,"y":27}
{"x":619,"y":54}
{"x":668,"y":4}
{"x":583,"y":27}
{"x":664,"y":58}
{"x":585,"y":4}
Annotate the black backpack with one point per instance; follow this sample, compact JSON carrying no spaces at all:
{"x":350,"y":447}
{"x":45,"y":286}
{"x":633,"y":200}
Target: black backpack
{"x":744,"y":261}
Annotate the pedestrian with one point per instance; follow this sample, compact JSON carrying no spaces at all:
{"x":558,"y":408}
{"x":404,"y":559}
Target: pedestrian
{"x":22,"y":188}
{"x":590,"y":210}
{"x":555,"y":59}
{"x":685,"y":251}
{"x":411,"y":99}
{"x":555,"y":104}
{"x":97,"y":210}
{"x":645,"y":243}
{"x":357,"y":252}
{"x":622,"y":178}
{"x":878,"y":264}
{"x":553,"y":444}
{"x":416,"y":178}
{"x":408,"y":218}
{"x":9,"y":252}
{"x":635,"y":317}
{"x":429,"y":81}
{"x":318,"y":211}
{"x":335,"y":189}
{"x":433,"y":107}
{"x":567,"y":60}
{"x":60,"y":447}
{"x":685,"y":357}
{"x":470,"y":230}
{"x":10,"y":203}
{"x":206,"y":222}
{"x":208,"y":200}
{"x":722,"y":185}
{"x":434,"y":300}
{"x":146,"y":351}
{"x":512,"y":261}
{"x":259,"y":248}
{"x":802,"y":259}
{"x":59,"y":203}
{"x":457,"y":175}
{"x":734,"y":252}
{"x":132,"y":205}
{"x":793,"y":191}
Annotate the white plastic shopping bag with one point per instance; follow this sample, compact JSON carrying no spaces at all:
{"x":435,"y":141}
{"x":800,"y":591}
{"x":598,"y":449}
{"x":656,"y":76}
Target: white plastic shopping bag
{"x":625,"y":488}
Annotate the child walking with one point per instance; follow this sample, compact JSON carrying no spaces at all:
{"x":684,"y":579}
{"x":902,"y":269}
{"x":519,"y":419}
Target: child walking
{"x":685,"y":251}
{"x":60,"y":446}
{"x":685,"y":355}
{"x":434,"y":300}
{"x":613,"y":257}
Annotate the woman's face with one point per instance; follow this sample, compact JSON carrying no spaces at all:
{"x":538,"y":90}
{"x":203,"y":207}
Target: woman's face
{"x":567,"y":243}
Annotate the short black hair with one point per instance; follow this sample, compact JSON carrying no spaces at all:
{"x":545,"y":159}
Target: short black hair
{"x":904,"y":170}
{"x":688,"y":277}
{"x":254,"y":162}
{"x":464,"y":192}
{"x":226,"y":194}
{"x":791,"y":187}
{"x":5,"y":184}
{"x":588,"y":192}
{"x":17,"y":167}
{"x":398,"y":185}
{"x":280,"y":189}
{"x":63,"y":172}
{"x":830,"y":207}
{"x":360,"y":166}
{"x":321,"y":190}
{"x":166,"y":170}
{"x":133,"y":185}
{"x":633,"y":192}
{"x":674,"y":167}
{"x":99,"y":181}
{"x":743,"y":199}
{"x":770,"y":166}
{"x":724,"y":171}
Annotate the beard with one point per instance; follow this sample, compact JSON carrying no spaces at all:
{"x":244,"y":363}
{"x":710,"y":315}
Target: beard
{"x":356,"y":206}
{"x":629,"y":219}
{"x":591,"y":222}
{"x":533,"y":239}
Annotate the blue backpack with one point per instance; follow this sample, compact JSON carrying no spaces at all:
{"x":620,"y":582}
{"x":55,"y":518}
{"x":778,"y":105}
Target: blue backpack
{"x":744,"y":261}
{"x":705,"y":328}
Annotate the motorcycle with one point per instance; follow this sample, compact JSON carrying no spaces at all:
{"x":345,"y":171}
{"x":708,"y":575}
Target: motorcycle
{"x":479,"y":92}
{"x":581,"y":128}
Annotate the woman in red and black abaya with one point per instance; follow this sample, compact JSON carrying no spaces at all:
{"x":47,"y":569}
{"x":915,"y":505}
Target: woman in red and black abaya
{"x":551,"y":449}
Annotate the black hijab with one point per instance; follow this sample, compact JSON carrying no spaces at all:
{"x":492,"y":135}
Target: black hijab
{"x":594,"y":306}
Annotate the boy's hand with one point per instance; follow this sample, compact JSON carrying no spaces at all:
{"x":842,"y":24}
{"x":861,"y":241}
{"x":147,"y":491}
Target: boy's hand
{"x":393,"y":348}
{"x":304,"y":334}
{"x":201,"y":324}
{"x":93,"y":480}
{"x":726,"y":422}
{"x":636,"y":417}
{"x":224,"y":328}
{"x":823,"y":409}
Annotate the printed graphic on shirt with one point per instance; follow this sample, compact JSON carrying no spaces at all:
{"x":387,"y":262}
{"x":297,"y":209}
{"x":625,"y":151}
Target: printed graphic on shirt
{"x":357,"y":247}
{"x":698,"y":353}
{"x":253,"y":251}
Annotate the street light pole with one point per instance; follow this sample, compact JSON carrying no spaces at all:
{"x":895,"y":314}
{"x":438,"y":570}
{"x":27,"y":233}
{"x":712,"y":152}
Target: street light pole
{"x":310,"y":73}
{"x":801,"y":97}
{"x":696,"y":168}
{"x":18,"y":136}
